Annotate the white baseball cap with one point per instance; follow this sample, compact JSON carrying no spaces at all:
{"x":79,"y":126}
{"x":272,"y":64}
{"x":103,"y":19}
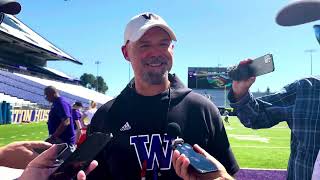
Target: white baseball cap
{"x":299,"y":12}
{"x":141,"y":23}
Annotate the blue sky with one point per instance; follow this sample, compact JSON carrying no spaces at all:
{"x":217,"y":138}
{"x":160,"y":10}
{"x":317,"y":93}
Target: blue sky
{"x":209,"y":32}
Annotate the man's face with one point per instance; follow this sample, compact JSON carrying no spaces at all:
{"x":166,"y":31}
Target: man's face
{"x":151,"y":56}
{"x":49,"y":96}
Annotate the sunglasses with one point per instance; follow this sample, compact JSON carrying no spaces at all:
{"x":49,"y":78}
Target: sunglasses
{"x":317,"y":32}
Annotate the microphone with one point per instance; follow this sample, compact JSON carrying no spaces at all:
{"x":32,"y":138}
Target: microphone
{"x":197,"y":161}
{"x":174,"y":130}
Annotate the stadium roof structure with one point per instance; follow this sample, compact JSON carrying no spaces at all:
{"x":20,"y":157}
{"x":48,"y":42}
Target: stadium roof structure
{"x":19,"y":40}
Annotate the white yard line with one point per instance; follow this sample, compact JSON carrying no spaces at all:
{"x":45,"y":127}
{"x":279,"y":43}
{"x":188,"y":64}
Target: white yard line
{"x":262,"y":147}
{"x":264,"y":169}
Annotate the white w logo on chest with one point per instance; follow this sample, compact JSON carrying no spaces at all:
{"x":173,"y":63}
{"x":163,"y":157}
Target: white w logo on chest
{"x":158,"y":154}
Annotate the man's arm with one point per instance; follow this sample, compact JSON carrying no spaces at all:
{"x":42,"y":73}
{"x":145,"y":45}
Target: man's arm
{"x":267,"y":111}
{"x":79,"y":126}
{"x":62,"y":126}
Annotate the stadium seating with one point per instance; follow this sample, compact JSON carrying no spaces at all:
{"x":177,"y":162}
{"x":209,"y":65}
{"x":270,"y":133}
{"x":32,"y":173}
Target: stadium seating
{"x":23,"y":88}
{"x":73,"y":89}
{"x":14,"y":101}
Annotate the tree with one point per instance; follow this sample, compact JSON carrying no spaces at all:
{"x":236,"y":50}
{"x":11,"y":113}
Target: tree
{"x":91,"y":82}
{"x":102,"y":86}
{"x":88,"y":80}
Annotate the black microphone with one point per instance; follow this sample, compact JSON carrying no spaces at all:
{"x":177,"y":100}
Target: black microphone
{"x":197,"y":161}
{"x":174,"y":130}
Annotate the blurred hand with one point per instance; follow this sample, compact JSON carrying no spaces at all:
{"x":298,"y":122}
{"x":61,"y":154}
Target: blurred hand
{"x":181,"y":164}
{"x":19,"y":154}
{"x":240,"y":88}
{"x":44,"y":165}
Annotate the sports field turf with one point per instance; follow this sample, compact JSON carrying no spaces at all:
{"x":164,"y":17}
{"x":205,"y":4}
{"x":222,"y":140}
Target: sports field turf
{"x":267,"y":148}
{"x":263,"y":148}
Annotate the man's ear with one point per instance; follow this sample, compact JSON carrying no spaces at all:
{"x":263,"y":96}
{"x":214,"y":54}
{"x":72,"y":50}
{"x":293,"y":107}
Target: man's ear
{"x":125,"y":52}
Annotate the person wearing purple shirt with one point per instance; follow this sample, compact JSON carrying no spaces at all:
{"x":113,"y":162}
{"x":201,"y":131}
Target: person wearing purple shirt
{"x":76,"y":116}
{"x":60,"y":123}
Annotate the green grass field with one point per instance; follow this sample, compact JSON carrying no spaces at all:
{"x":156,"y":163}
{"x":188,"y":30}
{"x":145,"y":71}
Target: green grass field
{"x":263,"y":148}
{"x":23,"y":132}
{"x":267,"y":148}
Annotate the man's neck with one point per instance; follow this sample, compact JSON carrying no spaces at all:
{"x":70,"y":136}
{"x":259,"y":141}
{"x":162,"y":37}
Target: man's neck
{"x":145,"y":89}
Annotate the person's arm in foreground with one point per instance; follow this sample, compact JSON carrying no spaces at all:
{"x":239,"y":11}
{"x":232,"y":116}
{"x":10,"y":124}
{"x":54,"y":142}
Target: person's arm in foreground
{"x":19,"y":154}
{"x":262,"y":112}
{"x":42,"y":166}
{"x":181,"y":166}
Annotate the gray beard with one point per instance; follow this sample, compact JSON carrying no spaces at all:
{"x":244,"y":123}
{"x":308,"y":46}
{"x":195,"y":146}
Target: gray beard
{"x":154,"y":78}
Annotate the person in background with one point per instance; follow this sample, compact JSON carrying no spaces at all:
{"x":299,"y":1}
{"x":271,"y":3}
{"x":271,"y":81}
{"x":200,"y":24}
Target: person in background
{"x":86,"y":120}
{"x":88,"y":114}
{"x":226,"y":117}
{"x":297,"y":103}
{"x":76,"y":116}
{"x":60,"y":122}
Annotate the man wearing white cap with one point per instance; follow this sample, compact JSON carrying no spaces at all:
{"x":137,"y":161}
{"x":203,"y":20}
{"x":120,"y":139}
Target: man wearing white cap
{"x":140,"y":116}
{"x":297,"y":103}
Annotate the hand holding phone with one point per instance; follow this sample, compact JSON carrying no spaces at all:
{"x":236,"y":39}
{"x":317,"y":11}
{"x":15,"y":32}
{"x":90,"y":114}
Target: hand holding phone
{"x":256,"y":67}
{"x":81,"y":157}
{"x":197,"y":161}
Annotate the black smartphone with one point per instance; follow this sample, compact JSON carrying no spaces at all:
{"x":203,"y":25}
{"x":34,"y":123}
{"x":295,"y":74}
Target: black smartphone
{"x":81,"y":157}
{"x":262,"y":65}
{"x":197,"y":161}
{"x":63,"y":148}
{"x":259,"y":66}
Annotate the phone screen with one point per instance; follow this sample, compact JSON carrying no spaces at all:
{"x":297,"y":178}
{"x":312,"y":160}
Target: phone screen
{"x":81,"y":157}
{"x":197,"y":161}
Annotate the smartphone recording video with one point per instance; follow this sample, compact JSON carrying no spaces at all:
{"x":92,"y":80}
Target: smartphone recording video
{"x":259,"y":66}
{"x":81,"y":157}
{"x":197,"y":161}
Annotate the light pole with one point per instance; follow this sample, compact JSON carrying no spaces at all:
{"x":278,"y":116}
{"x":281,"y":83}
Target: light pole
{"x":97,"y":63}
{"x":311,"y":51}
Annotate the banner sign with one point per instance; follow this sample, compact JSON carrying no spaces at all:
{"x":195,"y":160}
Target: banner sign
{"x":30,"y":115}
